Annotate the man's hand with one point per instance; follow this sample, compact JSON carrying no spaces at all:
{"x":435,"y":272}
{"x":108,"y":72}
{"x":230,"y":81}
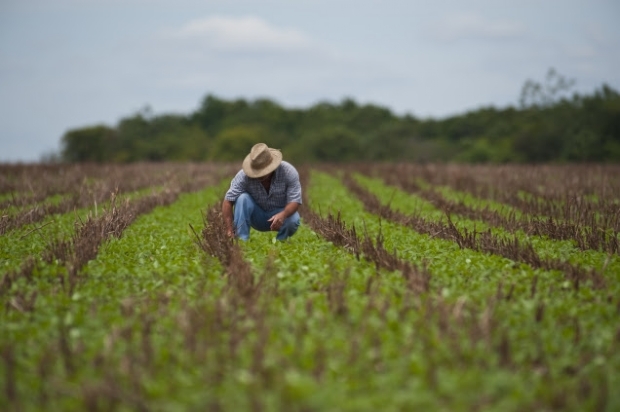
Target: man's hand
{"x":277,"y":221}
{"x":227,"y":214}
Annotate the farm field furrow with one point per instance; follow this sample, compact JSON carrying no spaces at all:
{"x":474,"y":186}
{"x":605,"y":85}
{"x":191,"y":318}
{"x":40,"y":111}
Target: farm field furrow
{"x":154,"y":264}
{"x":157,"y":247}
{"x":535,"y":250}
{"x":464,"y":266}
{"x":48,"y":201}
{"x":150,"y":306}
{"x":594,"y":235}
{"x":36,"y":239}
{"x":521,"y":182}
{"x":29,"y":184}
{"x":463,"y":272}
{"x":96,"y":188}
{"x":60,"y":264}
{"x":582,"y":196}
{"x":332,"y":229}
{"x":301,"y":336}
{"x":354,"y":319}
{"x":474,"y":277}
{"x":24,"y":182}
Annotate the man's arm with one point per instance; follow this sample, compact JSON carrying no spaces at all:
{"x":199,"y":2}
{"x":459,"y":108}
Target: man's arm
{"x":237,"y":186}
{"x":278,"y":219}
{"x":227,"y":214}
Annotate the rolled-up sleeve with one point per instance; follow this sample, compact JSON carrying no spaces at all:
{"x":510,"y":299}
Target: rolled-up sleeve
{"x":237,"y":186}
{"x":293,"y":186}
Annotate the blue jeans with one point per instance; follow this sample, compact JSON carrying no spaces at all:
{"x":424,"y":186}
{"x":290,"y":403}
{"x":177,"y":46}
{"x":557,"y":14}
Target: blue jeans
{"x":248,"y":214}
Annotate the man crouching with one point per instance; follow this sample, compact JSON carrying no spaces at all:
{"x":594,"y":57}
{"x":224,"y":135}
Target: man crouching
{"x":265,"y":193}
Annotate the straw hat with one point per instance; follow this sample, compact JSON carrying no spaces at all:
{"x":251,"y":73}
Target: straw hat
{"x":261,"y":161}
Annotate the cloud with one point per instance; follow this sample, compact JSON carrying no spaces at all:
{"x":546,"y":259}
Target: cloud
{"x":240,"y":34}
{"x":244,"y":56}
{"x":473,"y":26}
{"x":580,"y":51}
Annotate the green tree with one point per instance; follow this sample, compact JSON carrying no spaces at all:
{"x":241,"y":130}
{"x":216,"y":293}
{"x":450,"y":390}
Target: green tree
{"x":332,"y":144}
{"x":535,"y":94}
{"x":89,"y":144}
{"x":235,"y":143}
{"x":548,"y":126}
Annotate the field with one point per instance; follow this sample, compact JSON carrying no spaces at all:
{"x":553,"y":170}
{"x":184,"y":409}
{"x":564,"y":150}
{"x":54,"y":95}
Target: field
{"x":407,"y":287}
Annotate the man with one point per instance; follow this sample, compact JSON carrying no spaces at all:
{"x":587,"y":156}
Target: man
{"x":265,"y":193}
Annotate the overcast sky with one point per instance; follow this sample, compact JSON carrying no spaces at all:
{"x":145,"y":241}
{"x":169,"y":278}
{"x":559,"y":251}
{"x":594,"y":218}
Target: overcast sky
{"x":72,"y":63}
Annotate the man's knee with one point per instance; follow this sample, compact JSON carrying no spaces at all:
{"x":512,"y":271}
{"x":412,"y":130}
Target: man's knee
{"x":244,"y":204}
{"x":243,"y":199}
{"x":292,"y":223}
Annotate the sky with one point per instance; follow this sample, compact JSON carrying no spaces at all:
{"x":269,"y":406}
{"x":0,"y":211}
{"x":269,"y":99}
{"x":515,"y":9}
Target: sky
{"x":66,"y":64}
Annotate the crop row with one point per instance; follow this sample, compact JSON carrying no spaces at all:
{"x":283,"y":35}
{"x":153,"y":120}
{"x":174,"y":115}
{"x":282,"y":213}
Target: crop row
{"x":38,"y":181}
{"x":457,"y":322}
{"x":81,"y":320}
{"x":357,"y":311}
{"x":592,"y":225}
{"x":471,"y":234}
{"x":549,"y":182}
{"x":32,"y":239}
{"x":477,"y":316}
{"x":72,"y":244}
{"x":38,"y":191}
{"x":534,"y":296}
{"x":581,"y":195}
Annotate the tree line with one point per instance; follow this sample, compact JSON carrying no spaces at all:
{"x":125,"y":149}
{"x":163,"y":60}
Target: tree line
{"x":548,"y":125}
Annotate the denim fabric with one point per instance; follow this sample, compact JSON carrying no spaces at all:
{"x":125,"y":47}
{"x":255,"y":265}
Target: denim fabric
{"x":248,"y":214}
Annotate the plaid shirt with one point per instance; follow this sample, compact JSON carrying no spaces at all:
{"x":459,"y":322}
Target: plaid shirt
{"x":285,"y":188}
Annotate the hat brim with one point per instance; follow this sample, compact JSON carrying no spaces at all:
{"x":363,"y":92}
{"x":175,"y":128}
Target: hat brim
{"x":254,"y":173}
